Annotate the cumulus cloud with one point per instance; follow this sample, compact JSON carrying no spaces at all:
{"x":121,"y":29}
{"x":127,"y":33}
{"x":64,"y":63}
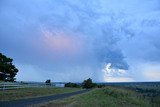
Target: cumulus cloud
{"x":116,"y":74}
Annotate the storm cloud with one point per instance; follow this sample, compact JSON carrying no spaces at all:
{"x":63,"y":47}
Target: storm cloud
{"x":73,"y":40}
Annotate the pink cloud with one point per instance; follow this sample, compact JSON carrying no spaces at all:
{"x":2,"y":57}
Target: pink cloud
{"x":62,"y":42}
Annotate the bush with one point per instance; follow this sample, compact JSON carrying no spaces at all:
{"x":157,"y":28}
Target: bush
{"x":73,"y":85}
{"x":100,"y":85}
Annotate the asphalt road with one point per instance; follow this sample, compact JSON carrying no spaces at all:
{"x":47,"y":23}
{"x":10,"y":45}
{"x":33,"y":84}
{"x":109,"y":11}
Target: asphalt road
{"x":37,"y":100}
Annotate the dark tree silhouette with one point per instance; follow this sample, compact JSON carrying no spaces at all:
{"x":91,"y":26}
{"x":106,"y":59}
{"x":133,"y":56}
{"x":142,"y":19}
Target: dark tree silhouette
{"x":87,"y":83}
{"x":48,"y":82}
{"x":7,"y":70}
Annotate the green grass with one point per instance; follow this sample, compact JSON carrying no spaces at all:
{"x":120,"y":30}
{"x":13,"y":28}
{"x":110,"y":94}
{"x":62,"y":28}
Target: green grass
{"x":108,"y":96}
{"x":32,"y":92}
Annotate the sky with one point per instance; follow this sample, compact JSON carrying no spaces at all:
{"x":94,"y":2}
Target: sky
{"x":72,"y":40}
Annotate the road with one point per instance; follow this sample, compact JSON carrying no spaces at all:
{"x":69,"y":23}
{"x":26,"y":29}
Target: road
{"x":37,"y":100}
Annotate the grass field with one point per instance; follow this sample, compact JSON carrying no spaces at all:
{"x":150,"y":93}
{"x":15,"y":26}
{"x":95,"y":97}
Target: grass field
{"x":102,"y":97}
{"x":32,"y":92}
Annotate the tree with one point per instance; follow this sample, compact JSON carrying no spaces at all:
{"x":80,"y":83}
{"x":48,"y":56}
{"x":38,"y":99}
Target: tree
{"x":7,"y":70}
{"x":48,"y":82}
{"x":87,"y":83}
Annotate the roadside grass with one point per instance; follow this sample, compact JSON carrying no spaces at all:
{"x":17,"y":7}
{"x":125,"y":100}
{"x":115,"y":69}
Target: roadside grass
{"x":32,"y":92}
{"x":103,"y":97}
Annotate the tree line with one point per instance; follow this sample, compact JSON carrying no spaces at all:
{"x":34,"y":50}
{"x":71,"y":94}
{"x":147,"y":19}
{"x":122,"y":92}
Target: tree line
{"x":85,"y":84}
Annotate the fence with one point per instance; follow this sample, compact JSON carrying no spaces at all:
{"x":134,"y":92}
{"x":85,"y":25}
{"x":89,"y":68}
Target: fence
{"x":16,"y":85}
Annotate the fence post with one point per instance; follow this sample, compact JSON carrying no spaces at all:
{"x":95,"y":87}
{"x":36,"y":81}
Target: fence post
{"x":4,"y":86}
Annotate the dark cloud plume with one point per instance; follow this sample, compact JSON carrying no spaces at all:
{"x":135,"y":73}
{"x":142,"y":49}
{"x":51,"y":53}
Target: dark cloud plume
{"x":28,"y":29}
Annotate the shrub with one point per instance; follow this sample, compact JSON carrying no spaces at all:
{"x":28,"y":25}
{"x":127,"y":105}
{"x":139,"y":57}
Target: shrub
{"x":73,"y":85}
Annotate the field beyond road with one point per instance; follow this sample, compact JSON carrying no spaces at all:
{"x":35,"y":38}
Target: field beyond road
{"x":33,"y":92}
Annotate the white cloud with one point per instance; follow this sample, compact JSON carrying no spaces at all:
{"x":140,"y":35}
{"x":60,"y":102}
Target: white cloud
{"x":118,"y":79}
{"x":151,"y":72}
{"x":115,"y":75}
{"x":152,"y":75}
{"x":145,"y":71}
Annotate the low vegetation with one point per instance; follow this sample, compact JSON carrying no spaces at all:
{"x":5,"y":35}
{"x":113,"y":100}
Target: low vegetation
{"x":73,"y":85}
{"x":108,"y":96}
{"x":32,"y":92}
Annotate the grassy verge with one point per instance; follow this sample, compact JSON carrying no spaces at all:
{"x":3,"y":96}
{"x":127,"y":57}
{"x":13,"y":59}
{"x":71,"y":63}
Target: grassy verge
{"x":108,"y":96}
{"x":32,"y":92}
